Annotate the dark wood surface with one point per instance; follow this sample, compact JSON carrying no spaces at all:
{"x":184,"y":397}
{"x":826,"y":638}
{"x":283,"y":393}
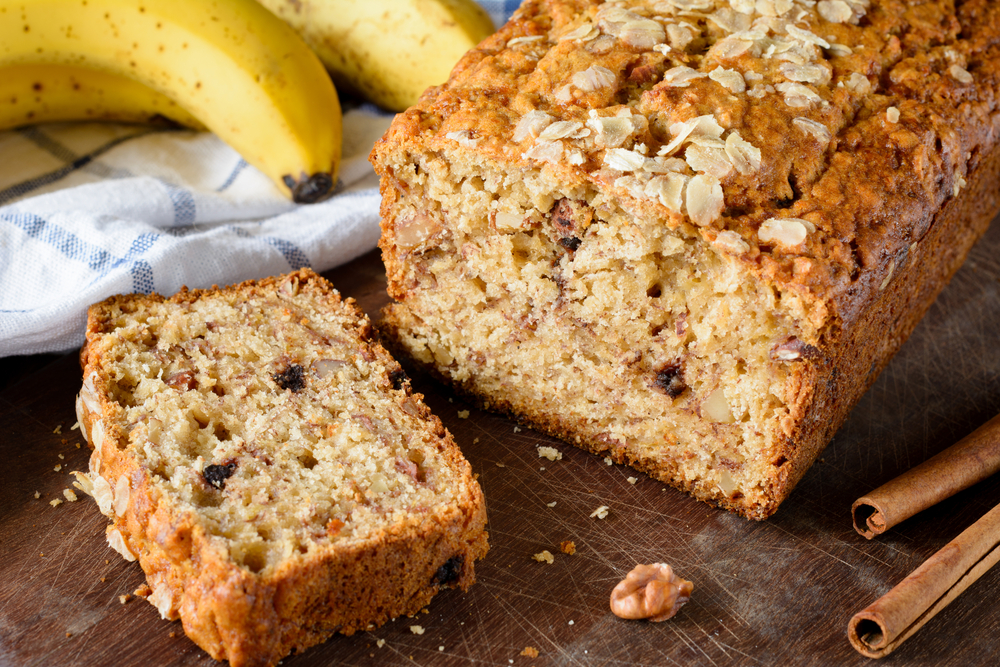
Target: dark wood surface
{"x":777,"y":592}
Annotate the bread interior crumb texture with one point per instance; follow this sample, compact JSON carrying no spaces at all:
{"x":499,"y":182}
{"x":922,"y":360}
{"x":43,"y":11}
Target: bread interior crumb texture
{"x":264,"y":423}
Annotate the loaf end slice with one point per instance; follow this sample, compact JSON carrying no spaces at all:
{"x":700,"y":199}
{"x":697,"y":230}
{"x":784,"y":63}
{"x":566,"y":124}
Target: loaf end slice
{"x":688,"y":234}
{"x":266,"y":462}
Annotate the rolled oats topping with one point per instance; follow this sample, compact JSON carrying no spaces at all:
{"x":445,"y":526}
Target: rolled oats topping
{"x":817,"y":130}
{"x":835,"y":11}
{"x":704,"y":199}
{"x":594,"y":78}
{"x":730,"y":79}
{"x":787,"y":232}
{"x":960,"y":74}
{"x":531,"y":125}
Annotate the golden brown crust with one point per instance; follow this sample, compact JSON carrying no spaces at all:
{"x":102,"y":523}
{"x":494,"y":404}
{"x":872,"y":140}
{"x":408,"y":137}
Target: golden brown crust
{"x":877,"y":126}
{"x":256,"y":617}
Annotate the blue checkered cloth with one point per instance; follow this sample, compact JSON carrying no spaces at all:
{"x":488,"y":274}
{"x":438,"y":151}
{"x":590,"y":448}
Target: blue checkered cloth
{"x":89,"y":210}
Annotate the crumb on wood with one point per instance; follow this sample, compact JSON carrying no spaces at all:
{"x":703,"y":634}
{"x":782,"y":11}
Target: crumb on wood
{"x":37,"y":495}
{"x":380,"y":643}
{"x":475,"y":440}
{"x":70,"y":496}
{"x":58,"y":468}
{"x":124,"y":598}
{"x":631,"y":480}
{"x":143,"y":591}
{"x":552,"y":504}
{"x":69,"y":634}
{"x":75,"y":426}
{"x":567,"y":547}
{"x":550,"y":453}
{"x":56,"y":503}
{"x":61,"y":456}
{"x":544,"y":556}
{"x":173,"y":634}
{"x":417,"y":629}
{"x":463,"y":414}
{"x":500,"y":465}
{"x":601,"y":512}
{"x":58,"y":429}
{"x":608,"y":461}
{"x":517,"y":430}
{"x":530,"y":652}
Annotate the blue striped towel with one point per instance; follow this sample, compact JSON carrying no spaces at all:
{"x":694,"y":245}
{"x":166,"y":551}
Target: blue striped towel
{"x":90,"y":210}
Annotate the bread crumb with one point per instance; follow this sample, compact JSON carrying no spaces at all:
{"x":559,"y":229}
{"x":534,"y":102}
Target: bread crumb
{"x":417,"y":629}
{"x":37,"y":495}
{"x":544,"y":557}
{"x":425,"y":610}
{"x":70,"y":496}
{"x":550,"y":453}
{"x":552,"y":504}
{"x":56,"y":503}
{"x":78,"y":445}
{"x":500,"y":465}
{"x":631,"y":480}
{"x":61,"y":456}
{"x":530,"y":652}
{"x":440,"y":648}
{"x":463,"y":414}
{"x":58,"y":468}
{"x":517,"y":430}
{"x":124,"y":598}
{"x":173,"y":633}
{"x":103,"y":579}
{"x":380,"y":643}
{"x":567,"y":547}
{"x":571,"y":622}
{"x":601,"y":512}
{"x":69,"y":634}
{"x":608,"y":461}
{"x":58,"y":429}
{"x":143,"y":591}
{"x":475,"y":440}
{"x":74,"y":427}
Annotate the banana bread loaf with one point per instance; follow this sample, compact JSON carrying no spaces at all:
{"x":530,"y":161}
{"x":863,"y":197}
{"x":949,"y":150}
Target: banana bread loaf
{"x":269,"y":467}
{"x":688,"y":234}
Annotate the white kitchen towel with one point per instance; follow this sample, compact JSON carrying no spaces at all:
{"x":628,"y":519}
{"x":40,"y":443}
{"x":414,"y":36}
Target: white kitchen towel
{"x":88,"y":210}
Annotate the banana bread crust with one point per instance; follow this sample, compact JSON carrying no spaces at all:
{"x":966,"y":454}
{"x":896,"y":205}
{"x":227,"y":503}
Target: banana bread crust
{"x":255,"y":612}
{"x":847,"y":162}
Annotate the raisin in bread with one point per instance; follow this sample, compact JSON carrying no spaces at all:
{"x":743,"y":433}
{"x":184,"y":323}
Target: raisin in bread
{"x":269,"y":467}
{"x":688,"y":234}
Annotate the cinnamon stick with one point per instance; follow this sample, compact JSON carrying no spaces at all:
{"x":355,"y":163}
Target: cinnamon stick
{"x":883,"y":626}
{"x":972,"y":459}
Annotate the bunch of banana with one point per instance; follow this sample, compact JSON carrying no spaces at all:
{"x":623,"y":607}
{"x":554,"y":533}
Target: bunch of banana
{"x":227,"y":64}
{"x":389,"y":51}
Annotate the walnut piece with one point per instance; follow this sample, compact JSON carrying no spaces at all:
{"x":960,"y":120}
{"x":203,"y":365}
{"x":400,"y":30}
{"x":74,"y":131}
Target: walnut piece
{"x":650,"y":591}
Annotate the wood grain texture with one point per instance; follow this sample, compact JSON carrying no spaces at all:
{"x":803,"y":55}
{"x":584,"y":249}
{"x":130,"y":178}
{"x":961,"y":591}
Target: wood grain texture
{"x":777,"y":592}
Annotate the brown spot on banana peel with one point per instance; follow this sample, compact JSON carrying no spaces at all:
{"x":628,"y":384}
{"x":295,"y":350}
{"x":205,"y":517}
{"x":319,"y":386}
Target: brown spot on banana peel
{"x":309,"y":189}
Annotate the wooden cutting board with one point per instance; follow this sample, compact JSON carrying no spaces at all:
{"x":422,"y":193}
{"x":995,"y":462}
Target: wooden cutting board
{"x":777,"y":592}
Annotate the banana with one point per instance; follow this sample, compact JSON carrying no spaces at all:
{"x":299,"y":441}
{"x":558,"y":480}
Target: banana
{"x":32,"y":94}
{"x":246,"y":75}
{"x":389,"y":51}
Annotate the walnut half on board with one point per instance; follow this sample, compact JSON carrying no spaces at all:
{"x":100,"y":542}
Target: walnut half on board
{"x":652,"y":591}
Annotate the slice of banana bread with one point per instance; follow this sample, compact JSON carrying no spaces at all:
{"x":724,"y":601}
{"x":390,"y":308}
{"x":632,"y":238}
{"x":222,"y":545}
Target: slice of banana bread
{"x":687,"y":234}
{"x":267,"y":464}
